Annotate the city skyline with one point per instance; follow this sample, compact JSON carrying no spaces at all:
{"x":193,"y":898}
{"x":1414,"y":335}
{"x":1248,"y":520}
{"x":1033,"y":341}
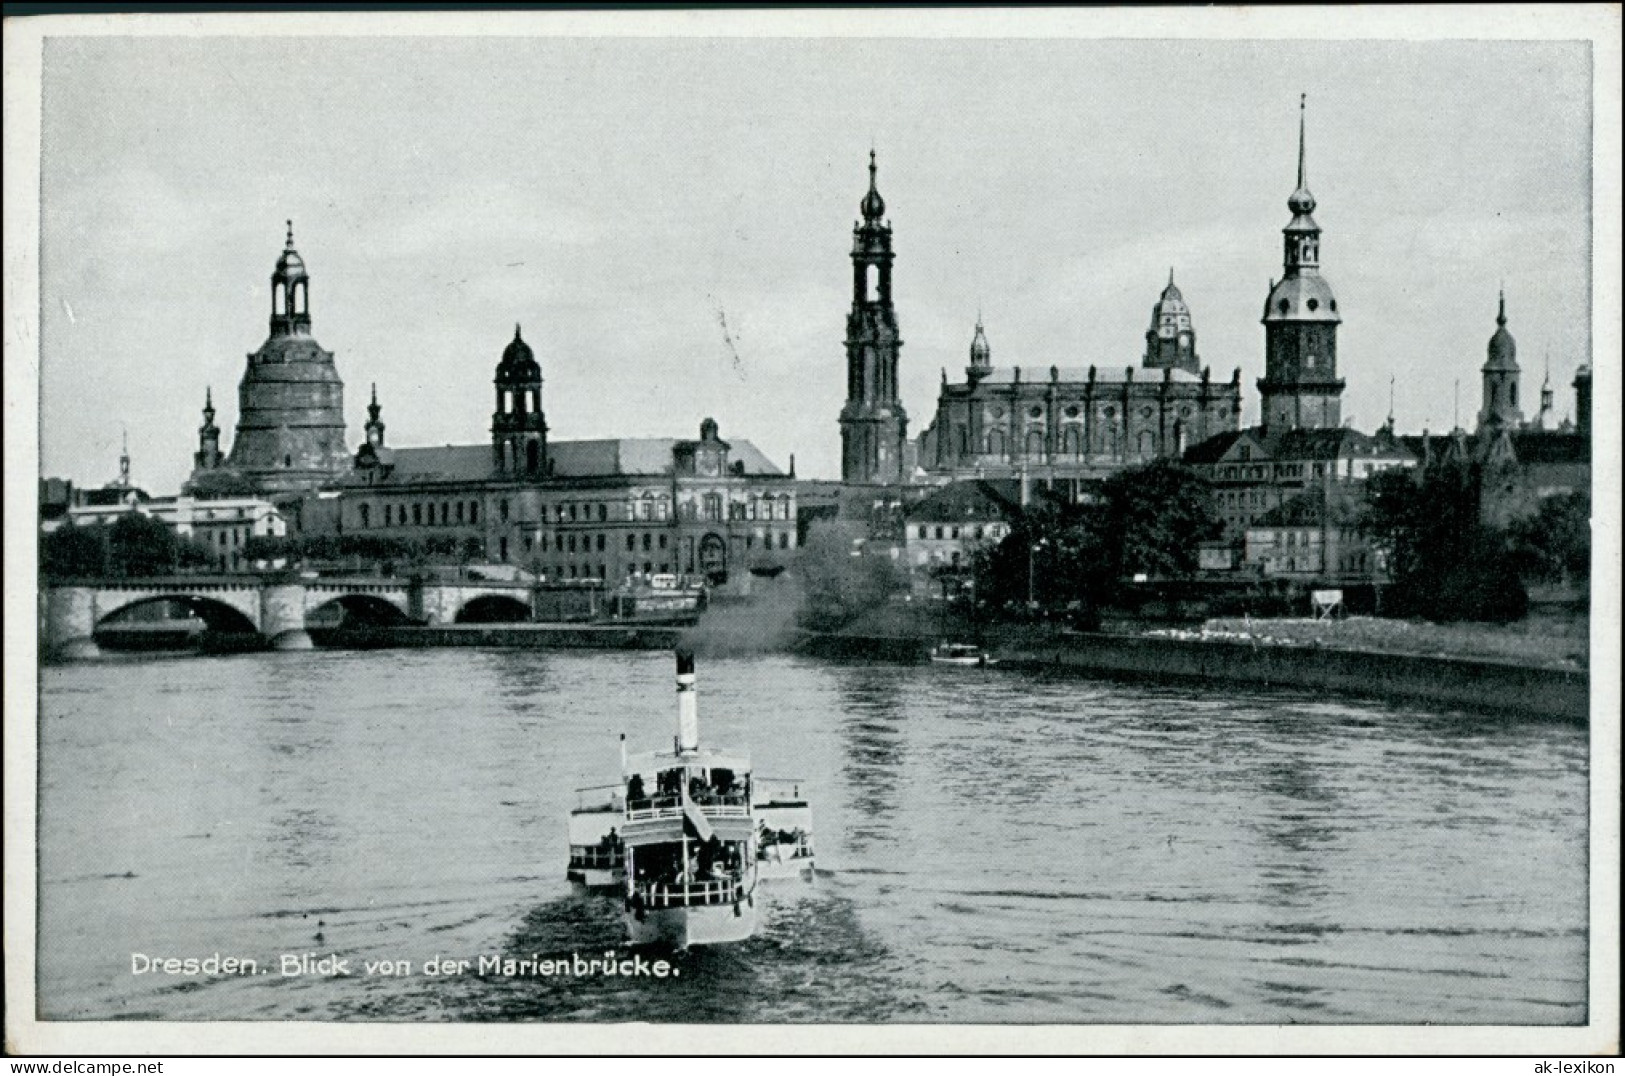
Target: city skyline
{"x":683,"y":254}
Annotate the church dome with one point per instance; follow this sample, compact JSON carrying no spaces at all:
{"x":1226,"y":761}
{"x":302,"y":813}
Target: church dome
{"x":1171,"y":309}
{"x":518,"y":361}
{"x":1302,"y":297}
{"x":1503,"y":349}
{"x":290,"y":266}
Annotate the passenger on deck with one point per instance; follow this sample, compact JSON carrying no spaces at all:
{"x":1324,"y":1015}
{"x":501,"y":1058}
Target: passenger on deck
{"x":634,"y":788}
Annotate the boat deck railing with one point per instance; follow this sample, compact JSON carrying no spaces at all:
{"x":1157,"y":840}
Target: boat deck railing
{"x":596,"y":858}
{"x":668,"y":806}
{"x":690,"y":894}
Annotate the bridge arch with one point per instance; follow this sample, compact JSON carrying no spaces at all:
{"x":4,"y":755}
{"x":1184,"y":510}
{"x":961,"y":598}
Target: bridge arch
{"x":494,"y":609}
{"x":165,"y":621}
{"x":356,"y":611}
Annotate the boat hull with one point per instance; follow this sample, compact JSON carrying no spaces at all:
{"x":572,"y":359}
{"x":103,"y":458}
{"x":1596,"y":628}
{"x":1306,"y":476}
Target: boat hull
{"x":597,"y":877}
{"x":683,"y":928}
{"x":771,"y":869}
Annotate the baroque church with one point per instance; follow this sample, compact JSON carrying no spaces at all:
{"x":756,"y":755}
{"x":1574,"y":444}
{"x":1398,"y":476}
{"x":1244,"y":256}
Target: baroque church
{"x":593,"y":510}
{"x":1055,"y":423}
{"x":290,"y":406}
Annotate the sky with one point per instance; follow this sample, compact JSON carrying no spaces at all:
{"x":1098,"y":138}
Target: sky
{"x":670,"y":221}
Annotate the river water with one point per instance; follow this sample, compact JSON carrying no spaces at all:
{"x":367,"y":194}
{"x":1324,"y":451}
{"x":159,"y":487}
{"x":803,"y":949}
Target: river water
{"x":993,"y":847}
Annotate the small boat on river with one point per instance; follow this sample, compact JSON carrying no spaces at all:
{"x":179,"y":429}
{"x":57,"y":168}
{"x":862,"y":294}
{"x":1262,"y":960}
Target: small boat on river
{"x":783,"y":829}
{"x":689,"y":830}
{"x":597,"y":855}
{"x":961,"y":654}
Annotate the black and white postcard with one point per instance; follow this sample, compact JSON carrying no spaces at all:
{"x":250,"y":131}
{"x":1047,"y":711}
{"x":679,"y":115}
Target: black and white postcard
{"x":671,"y":531}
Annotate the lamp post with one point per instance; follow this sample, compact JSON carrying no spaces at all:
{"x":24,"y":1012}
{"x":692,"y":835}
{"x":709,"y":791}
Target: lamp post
{"x":1032,"y":549}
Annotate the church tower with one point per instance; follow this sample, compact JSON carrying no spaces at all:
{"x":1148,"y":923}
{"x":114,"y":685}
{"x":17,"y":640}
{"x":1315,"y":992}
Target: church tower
{"x":1300,"y":387}
{"x":874,"y":425}
{"x":518,"y":427}
{"x":1170,"y":343}
{"x":290,"y":424}
{"x":1501,"y":377}
{"x":375,"y":424}
{"x":207,"y":457}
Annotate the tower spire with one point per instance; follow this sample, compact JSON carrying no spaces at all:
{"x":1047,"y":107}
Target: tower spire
{"x":1501,"y":312}
{"x":290,"y":236}
{"x":1303,"y":109}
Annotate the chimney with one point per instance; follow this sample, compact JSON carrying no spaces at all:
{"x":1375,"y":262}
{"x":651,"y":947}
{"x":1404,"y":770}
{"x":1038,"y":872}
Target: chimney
{"x":688,"y":705}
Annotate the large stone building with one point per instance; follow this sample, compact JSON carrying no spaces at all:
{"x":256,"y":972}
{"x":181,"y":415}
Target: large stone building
{"x":604,"y":510}
{"x":1300,"y":453}
{"x":1076,"y":423}
{"x":1063,"y":424}
{"x":290,"y":418}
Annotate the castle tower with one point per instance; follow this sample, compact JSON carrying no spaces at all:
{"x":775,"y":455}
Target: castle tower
{"x":874,"y":425}
{"x":290,"y":416}
{"x":207,"y":457}
{"x":1501,"y":377}
{"x":375,"y":425}
{"x":518,"y":427}
{"x":1300,"y":387}
{"x":1170,"y":343}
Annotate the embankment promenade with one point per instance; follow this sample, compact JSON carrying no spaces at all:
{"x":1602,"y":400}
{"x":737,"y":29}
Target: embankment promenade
{"x":1474,"y":684}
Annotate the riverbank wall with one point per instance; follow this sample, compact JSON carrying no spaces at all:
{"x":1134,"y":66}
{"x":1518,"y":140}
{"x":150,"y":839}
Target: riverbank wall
{"x":520,"y":635}
{"x":1552,"y":693}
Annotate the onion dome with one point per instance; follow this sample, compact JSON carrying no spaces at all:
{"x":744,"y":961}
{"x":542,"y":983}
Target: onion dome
{"x":1503,"y":350}
{"x":873,"y":206}
{"x":981,"y":353}
{"x":290,"y":266}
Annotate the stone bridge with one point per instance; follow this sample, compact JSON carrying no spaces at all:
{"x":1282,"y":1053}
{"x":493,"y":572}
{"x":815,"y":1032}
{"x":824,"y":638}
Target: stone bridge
{"x":279,"y":609}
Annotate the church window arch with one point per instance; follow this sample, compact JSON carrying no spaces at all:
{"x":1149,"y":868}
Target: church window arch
{"x":962,"y":440}
{"x":995,"y":443}
{"x":533,"y":457}
{"x":1035,"y":444}
{"x":1072,"y":442}
{"x":871,"y":283}
{"x":1147,"y":443}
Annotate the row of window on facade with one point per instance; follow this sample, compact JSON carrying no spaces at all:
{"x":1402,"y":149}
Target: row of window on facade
{"x":1351,"y":469}
{"x":1107,"y":442}
{"x":647,"y":541}
{"x":944,"y":532}
{"x":424,"y":514}
{"x":648,"y":508}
